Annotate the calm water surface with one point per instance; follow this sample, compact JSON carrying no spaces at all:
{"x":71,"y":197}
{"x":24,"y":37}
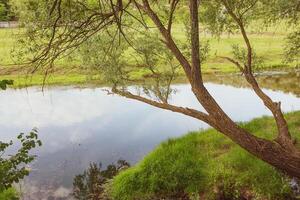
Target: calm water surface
{"x":79,"y":126}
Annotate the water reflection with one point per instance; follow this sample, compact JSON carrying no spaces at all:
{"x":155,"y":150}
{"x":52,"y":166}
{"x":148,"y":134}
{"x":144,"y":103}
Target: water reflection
{"x":79,"y":126}
{"x":287,"y":81}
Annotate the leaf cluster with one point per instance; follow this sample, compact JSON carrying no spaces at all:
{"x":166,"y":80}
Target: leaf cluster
{"x":292,"y":46}
{"x":240,"y":54}
{"x":4,"y":83}
{"x":12,"y":167}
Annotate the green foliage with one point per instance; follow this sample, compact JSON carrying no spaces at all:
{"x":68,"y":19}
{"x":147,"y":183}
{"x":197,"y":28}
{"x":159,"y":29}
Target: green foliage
{"x":92,"y":183}
{"x":292,"y":47}
{"x":107,"y":50}
{"x":276,"y":10}
{"x":108,"y":59}
{"x":9,"y":194}
{"x":6,"y":13}
{"x":4,"y":83}
{"x":2,"y":12}
{"x":273,"y":11}
{"x":215,"y":18}
{"x":12,"y":168}
{"x":207,"y":163}
{"x":240,"y":54}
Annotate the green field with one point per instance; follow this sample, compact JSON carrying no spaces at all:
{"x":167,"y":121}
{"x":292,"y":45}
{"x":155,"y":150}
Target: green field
{"x":205,"y":164}
{"x":268,"y":44}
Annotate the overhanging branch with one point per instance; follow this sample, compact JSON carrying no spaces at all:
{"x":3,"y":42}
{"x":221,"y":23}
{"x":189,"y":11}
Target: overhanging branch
{"x":186,"y":111}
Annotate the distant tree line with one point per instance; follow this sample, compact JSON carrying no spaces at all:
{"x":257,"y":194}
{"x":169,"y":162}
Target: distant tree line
{"x":6,"y":13}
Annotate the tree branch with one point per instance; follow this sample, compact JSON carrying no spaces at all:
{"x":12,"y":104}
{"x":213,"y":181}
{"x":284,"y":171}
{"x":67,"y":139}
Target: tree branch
{"x":283,"y":137}
{"x":173,"y":8}
{"x":236,"y":63}
{"x":196,"y":68}
{"x":168,"y":39}
{"x":186,"y":111}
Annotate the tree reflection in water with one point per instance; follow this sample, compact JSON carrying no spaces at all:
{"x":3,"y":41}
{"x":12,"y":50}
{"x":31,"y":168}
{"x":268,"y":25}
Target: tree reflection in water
{"x":288,"y":82}
{"x":94,"y":182}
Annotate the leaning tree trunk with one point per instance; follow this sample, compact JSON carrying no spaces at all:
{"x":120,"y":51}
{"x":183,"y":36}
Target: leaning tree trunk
{"x":285,"y":157}
{"x":269,"y":151}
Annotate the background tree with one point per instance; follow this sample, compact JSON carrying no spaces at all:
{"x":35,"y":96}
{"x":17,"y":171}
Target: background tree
{"x":5,"y":11}
{"x":144,"y":29}
{"x":277,"y":10}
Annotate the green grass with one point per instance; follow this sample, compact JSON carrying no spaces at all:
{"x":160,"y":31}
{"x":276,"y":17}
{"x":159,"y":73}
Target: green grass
{"x":269,"y":47}
{"x":267,"y":44}
{"x":7,"y":43}
{"x":202,"y":163}
{"x":21,"y":81}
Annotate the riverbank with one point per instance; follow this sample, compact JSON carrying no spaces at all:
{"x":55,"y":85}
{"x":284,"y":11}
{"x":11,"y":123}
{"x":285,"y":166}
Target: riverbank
{"x":291,"y":74}
{"x":207,"y":165}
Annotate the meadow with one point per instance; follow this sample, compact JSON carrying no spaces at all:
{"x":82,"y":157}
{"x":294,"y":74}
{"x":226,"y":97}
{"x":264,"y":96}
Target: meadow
{"x":268,"y":45}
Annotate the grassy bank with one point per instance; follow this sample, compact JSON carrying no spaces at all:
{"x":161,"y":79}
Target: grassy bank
{"x":207,"y":165}
{"x":72,"y":70}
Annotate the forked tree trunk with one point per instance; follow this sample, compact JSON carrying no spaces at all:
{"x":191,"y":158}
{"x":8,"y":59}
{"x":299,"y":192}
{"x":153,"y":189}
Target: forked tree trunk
{"x":286,"y":157}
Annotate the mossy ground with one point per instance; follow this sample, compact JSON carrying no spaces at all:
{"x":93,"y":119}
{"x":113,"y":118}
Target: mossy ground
{"x":206,"y":164}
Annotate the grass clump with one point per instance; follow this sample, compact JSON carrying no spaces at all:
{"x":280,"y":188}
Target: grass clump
{"x":163,"y":175}
{"x":206,"y":165}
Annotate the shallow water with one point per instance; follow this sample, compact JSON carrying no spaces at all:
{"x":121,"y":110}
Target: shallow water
{"x":79,"y":126}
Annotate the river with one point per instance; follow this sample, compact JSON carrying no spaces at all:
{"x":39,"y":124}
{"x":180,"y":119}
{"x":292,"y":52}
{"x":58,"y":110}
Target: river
{"x":82,"y":125}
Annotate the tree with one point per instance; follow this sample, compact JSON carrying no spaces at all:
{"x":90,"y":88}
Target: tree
{"x":276,"y":10}
{"x":145,"y":27}
{"x":2,"y":11}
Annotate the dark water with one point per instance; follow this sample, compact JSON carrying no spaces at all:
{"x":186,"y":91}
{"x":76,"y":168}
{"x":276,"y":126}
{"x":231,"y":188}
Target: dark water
{"x":79,"y":126}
